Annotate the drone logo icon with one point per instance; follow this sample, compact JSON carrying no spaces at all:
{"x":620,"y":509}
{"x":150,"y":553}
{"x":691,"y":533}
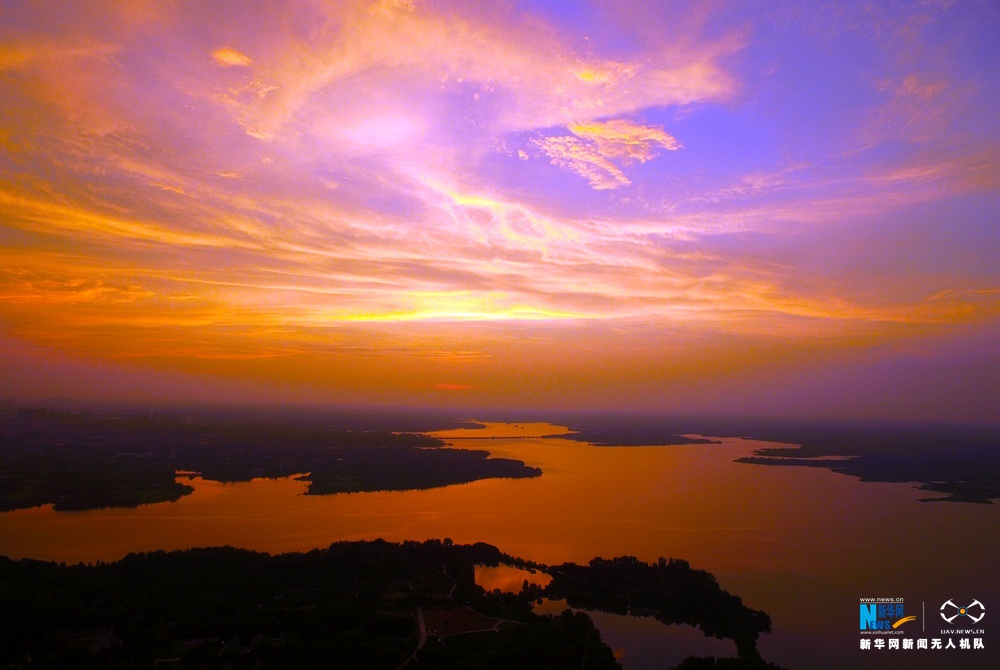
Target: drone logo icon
{"x":974,"y":610}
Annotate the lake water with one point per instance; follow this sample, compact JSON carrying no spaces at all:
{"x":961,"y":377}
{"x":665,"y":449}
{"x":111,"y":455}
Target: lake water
{"x":803,"y":544}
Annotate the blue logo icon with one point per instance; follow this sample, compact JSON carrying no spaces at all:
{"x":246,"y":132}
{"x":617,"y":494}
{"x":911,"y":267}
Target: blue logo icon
{"x":883,"y":616}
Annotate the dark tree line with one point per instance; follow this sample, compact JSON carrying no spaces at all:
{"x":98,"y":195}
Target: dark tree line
{"x":352,"y":605}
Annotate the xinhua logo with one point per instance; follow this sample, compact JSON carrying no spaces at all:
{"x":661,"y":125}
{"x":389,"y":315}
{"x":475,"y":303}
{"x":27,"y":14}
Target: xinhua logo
{"x":974,"y":610}
{"x":883,"y":616}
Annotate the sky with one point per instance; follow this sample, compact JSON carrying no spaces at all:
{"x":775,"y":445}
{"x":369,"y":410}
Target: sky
{"x":724,"y":207}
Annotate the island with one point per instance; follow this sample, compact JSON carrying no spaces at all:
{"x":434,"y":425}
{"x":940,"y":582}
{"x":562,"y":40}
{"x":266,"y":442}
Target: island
{"x":962,"y":463}
{"x":959,"y":461}
{"x":86,"y":460}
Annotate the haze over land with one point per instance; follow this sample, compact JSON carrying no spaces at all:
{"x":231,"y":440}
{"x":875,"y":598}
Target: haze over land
{"x":727,"y":207}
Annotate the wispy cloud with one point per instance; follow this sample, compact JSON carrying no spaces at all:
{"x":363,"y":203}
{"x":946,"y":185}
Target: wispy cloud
{"x":585,"y":159}
{"x":598,"y":150}
{"x":623,"y":140}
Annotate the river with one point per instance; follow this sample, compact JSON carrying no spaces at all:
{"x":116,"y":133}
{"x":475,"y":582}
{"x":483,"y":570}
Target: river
{"x":803,"y":544}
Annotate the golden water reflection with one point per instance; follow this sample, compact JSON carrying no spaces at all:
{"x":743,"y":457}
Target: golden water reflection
{"x":509,"y":578}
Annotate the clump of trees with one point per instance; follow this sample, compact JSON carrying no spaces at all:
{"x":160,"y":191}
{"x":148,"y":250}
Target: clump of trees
{"x":670,"y":591}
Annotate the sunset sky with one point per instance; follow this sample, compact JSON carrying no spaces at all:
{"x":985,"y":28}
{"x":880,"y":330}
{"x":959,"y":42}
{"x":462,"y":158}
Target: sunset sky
{"x":776,"y":207}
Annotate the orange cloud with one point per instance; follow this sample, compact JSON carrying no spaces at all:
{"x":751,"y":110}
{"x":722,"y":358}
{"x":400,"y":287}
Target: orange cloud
{"x":229,"y":57}
{"x":20,"y":55}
